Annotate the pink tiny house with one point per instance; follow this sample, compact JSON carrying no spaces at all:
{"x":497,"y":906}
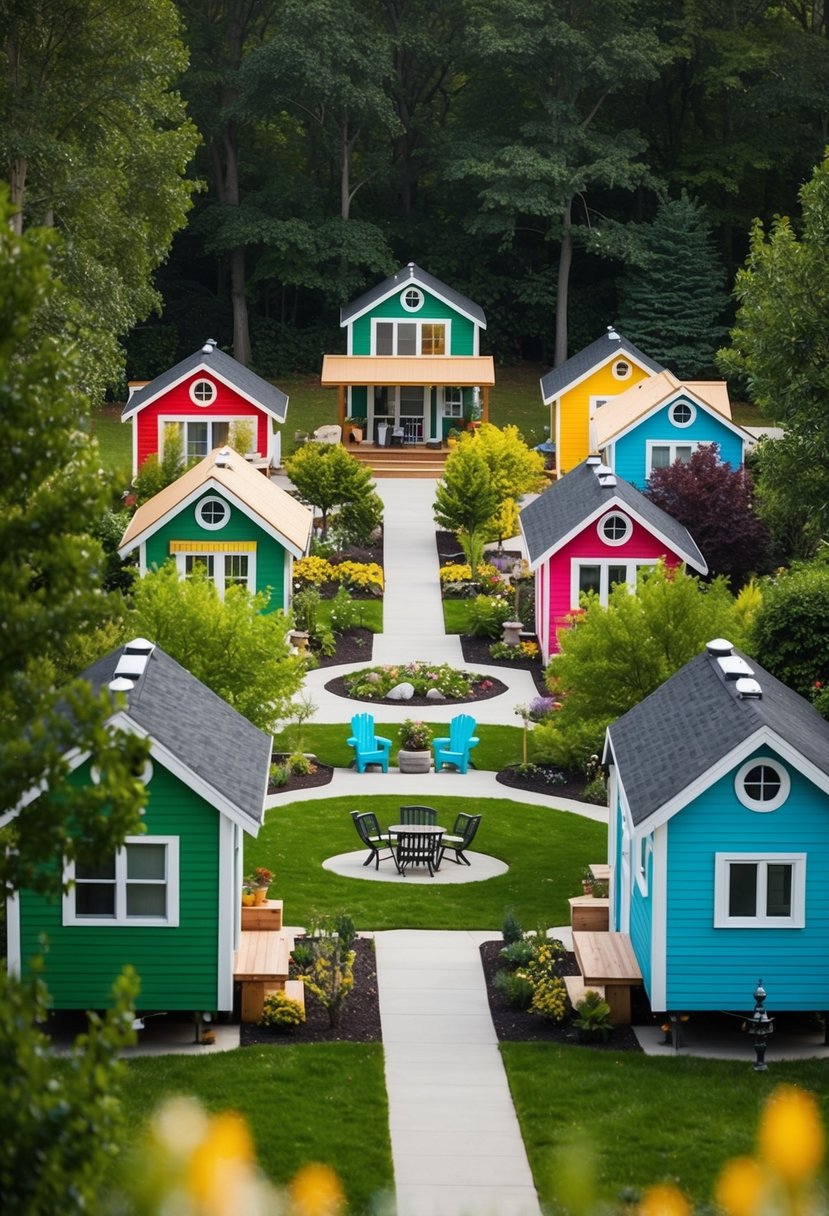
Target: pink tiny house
{"x":196,"y":404}
{"x":588,"y":532}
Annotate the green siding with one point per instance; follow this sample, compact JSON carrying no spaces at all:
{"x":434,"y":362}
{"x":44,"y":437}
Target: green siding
{"x":270,"y":555}
{"x":462,"y":336}
{"x":178,"y":966}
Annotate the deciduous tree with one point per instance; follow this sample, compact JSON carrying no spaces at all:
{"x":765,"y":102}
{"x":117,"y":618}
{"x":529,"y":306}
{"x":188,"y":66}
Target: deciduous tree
{"x":327,"y":476}
{"x":791,"y":628}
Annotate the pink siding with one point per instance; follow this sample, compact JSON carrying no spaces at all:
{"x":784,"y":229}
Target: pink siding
{"x":177,"y":404}
{"x":642,"y":545}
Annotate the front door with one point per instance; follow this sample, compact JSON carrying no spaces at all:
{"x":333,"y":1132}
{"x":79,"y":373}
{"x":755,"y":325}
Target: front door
{"x":400,"y":408}
{"x":410,"y":413}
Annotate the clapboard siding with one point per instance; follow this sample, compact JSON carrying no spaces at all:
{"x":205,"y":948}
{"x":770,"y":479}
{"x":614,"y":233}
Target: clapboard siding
{"x":178,"y":967}
{"x":177,"y":404}
{"x":462,"y":329}
{"x":573,"y":424}
{"x":718,"y":968}
{"x":630,"y":450}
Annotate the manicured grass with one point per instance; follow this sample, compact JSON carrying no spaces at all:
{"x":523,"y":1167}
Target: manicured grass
{"x":456,"y":616}
{"x":645,"y":1119}
{"x":301,"y":1102}
{"x":499,"y":745}
{"x":546,"y":850}
{"x":369,"y":613}
{"x":114,"y":438}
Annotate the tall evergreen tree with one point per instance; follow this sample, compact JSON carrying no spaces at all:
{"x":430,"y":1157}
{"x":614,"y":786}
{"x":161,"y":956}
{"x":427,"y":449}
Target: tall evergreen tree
{"x":671,"y":301}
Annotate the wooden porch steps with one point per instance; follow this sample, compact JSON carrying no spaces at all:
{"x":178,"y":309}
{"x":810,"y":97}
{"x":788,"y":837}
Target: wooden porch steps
{"x":261,"y":966}
{"x":607,"y":959}
{"x":407,"y":461}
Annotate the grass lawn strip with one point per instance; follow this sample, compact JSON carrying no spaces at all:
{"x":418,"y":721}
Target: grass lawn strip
{"x":546,"y":851}
{"x":645,"y":1120}
{"x":302,"y":1103}
{"x":498,"y":747}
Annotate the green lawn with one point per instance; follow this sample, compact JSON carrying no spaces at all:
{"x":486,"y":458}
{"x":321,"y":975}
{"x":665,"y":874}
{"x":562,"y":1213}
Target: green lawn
{"x":498,"y":746}
{"x":302,"y":1103}
{"x":546,"y":850}
{"x":369,"y":613}
{"x":644,"y":1119}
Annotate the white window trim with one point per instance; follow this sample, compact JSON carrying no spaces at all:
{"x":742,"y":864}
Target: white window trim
{"x":219,"y":567}
{"x":411,"y":307}
{"x":449,"y":407}
{"x":170,"y":921}
{"x":671,"y":444}
{"x":145,"y":775}
{"x":722,"y":864}
{"x":622,"y":539}
{"x":772,"y":804}
{"x":632,"y":568}
{"x":183,"y":419}
{"x":626,"y":375}
{"x":192,"y":391}
{"x":644,"y":852}
{"x":396,"y":321}
{"x":598,"y":401}
{"x":683,"y":405}
{"x":203,"y":523}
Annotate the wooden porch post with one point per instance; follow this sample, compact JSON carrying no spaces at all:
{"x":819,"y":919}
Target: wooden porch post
{"x":485,"y":405}
{"x":341,"y":405}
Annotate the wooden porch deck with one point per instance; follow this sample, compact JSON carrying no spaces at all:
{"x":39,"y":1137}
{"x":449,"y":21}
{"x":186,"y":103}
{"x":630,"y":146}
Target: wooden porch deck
{"x":408,"y":460}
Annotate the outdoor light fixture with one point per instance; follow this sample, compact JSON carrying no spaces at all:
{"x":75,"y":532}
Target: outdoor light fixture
{"x":760,"y":1027}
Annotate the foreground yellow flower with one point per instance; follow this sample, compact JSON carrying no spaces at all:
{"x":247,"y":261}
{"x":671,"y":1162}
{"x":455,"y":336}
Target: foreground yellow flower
{"x":740,"y":1187}
{"x":221,"y":1168}
{"x":316,"y":1191}
{"x":791,"y":1134}
{"x":664,"y":1200}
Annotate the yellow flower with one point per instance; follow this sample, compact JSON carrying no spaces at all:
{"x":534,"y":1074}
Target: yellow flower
{"x":740,"y":1187}
{"x":316,"y":1191}
{"x":664,"y":1200}
{"x":221,"y":1167}
{"x":791,"y":1134}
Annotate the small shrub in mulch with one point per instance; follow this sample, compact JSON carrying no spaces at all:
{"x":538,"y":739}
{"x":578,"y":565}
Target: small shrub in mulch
{"x":456,"y":687}
{"x":284,"y":779}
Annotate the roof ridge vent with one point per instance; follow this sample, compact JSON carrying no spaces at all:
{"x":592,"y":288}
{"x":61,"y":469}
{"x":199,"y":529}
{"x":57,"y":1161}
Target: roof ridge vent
{"x":733,"y":667}
{"x":612,"y":335}
{"x":718,"y":646}
{"x":222,"y":458}
{"x":209,"y":346}
{"x":131,"y":667}
{"x":594,"y":461}
{"x":748,"y":688}
{"x":139,"y":646}
{"x":121,"y":684}
{"x":607,"y":480}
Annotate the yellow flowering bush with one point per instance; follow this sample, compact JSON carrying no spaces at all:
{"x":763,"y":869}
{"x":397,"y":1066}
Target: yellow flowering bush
{"x":457,"y":572}
{"x":314,"y":570}
{"x":549,"y":997}
{"x":362,"y":576}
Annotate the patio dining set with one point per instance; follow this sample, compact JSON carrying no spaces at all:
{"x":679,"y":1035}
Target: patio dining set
{"x":416,"y":840}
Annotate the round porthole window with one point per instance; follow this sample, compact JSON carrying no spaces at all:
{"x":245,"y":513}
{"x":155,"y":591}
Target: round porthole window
{"x":411,"y":299}
{"x":144,"y":776}
{"x":203,"y":392}
{"x":762,"y":784}
{"x":212,"y":513}
{"x":615,"y":528}
{"x":683,"y":413}
{"x":621,"y":369}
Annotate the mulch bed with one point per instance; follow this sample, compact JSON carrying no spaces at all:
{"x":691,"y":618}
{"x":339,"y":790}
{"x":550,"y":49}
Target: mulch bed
{"x":359,"y":1017}
{"x":476,"y":650}
{"x":337,"y":687}
{"x":571,"y":787}
{"x":519,"y":1026}
{"x":304,"y":781}
{"x":353,"y":646}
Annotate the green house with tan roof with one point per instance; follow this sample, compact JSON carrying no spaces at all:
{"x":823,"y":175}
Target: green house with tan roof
{"x":227,"y":516}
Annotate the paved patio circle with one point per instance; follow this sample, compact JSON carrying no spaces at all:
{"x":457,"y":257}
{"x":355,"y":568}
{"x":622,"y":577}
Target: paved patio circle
{"x":482,"y":867}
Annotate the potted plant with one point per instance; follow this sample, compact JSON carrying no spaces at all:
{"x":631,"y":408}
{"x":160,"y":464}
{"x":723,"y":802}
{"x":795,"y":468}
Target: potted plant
{"x":452,"y":437}
{"x":260,"y":880}
{"x":248,"y":894}
{"x":587,"y":882}
{"x":414,"y":754}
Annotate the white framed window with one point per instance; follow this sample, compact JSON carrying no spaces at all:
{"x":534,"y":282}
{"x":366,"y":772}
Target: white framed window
{"x":661,"y":454}
{"x":212,"y":513}
{"x":411,"y":299}
{"x":411,"y":337}
{"x":137,"y":885}
{"x":223,"y":569}
{"x":203,"y":392}
{"x":614,"y":528}
{"x":621,"y":369}
{"x":762,"y":784}
{"x":194,"y":437}
{"x":144,"y":776}
{"x":453,"y":403}
{"x":596,"y":403}
{"x":682,"y":413}
{"x":644,"y":852}
{"x":600,"y":576}
{"x":759,"y":890}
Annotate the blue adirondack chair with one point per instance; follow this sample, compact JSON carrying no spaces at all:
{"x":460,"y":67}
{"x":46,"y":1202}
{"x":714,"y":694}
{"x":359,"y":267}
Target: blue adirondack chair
{"x":456,"y":747}
{"x":368,"y":747}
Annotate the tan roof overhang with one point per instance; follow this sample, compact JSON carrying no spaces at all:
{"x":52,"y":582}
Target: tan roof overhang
{"x":454,"y":370}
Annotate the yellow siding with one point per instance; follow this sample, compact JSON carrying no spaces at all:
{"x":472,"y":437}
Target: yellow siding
{"x":573,"y":443}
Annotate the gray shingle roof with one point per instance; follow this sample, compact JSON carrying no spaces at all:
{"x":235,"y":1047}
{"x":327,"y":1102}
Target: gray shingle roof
{"x":610,"y":344}
{"x":578,"y":496}
{"x":203,"y":732}
{"x":696,"y":718}
{"x":270,"y":398}
{"x":413,"y":274}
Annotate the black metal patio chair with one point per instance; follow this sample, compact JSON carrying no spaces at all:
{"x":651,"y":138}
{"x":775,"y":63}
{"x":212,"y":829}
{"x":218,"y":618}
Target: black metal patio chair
{"x":368,"y":829}
{"x":460,"y":838}
{"x":417,"y":849}
{"x":418,"y":814}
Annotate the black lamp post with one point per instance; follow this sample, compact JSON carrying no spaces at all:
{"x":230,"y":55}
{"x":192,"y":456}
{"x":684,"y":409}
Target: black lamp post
{"x":760,"y":1027}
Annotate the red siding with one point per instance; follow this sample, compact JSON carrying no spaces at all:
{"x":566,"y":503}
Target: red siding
{"x":177,"y":404}
{"x":642,"y":545}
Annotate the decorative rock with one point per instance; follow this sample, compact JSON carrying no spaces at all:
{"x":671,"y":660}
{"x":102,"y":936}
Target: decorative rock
{"x":400,"y":692}
{"x":434,"y":694}
{"x":373,"y":677}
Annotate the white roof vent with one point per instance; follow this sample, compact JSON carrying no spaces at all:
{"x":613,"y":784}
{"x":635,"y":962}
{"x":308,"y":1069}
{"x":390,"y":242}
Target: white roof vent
{"x":748,"y":688}
{"x":593,"y":461}
{"x":131,"y":666}
{"x":121,"y":685}
{"x":612,"y":335}
{"x":719,"y":646}
{"x":209,"y":346}
{"x":139,"y":646}
{"x":733,"y":667}
{"x":222,"y":458}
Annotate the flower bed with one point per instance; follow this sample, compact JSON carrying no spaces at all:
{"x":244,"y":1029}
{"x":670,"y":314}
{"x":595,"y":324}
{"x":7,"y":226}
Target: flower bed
{"x":374,"y":683}
{"x":357,"y":576}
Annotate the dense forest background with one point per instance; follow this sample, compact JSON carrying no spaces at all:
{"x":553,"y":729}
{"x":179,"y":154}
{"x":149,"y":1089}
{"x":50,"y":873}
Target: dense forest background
{"x":566,"y":163}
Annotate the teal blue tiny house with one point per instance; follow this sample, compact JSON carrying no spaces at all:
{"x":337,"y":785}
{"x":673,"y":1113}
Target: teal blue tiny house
{"x":718,"y":841}
{"x":228,"y":517}
{"x":661,"y":420}
{"x":169,"y":901}
{"x":413,"y":370}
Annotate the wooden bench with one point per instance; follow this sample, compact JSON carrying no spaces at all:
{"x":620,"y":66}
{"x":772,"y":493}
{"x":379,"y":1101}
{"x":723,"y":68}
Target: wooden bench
{"x":608,"y":959}
{"x":263,"y":916}
{"x":587,"y":913}
{"x":261,"y":965}
{"x":577,"y":989}
{"x":600,"y":871}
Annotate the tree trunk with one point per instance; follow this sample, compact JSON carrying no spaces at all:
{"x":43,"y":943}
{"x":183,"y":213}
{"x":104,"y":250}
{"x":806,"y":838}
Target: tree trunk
{"x":241,"y":329}
{"x":17,"y":187}
{"x":565,"y":261}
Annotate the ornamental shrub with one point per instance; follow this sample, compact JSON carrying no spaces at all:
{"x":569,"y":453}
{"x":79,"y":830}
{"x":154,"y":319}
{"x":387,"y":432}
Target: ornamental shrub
{"x":791,"y":627}
{"x":592,"y":1019}
{"x":549,"y":998}
{"x":487,"y":614}
{"x":516,"y":988}
{"x":315,"y":570}
{"x":374,"y":683}
{"x":331,"y":977}
{"x":281,"y":1012}
{"x":362,"y":576}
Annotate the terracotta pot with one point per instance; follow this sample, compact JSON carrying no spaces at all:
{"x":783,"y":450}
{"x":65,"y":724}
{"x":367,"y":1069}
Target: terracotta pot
{"x":414,"y":762}
{"x":260,"y":895}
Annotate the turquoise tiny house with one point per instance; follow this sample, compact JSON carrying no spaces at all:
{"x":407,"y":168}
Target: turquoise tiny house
{"x":719,"y":803}
{"x":169,"y":901}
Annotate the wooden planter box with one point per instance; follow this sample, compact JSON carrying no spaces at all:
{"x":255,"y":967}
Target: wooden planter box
{"x":589,"y":915}
{"x":263,"y":916}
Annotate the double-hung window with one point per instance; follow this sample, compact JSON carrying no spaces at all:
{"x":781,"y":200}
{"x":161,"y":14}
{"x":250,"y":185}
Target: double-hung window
{"x":760,"y":890}
{"x":138,"y":885}
{"x":601,"y":576}
{"x":661,"y":455}
{"x":410,"y":337}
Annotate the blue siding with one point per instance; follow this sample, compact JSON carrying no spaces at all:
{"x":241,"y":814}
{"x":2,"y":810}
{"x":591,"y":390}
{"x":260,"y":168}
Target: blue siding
{"x":710,"y":968}
{"x":616,"y":863}
{"x":630,"y":458}
{"x":641,"y":921}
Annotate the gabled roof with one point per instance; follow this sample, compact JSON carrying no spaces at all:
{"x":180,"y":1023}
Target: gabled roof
{"x":610,"y":346}
{"x":569,"y":505}
{"x":282,"y":517}
{"x":404,"y":369}
{"x":613,"y":419}
{"x":412,"y":276}
{"x":219,"y":753}
{"x":221,"y":366}
{"x":667,"y":748}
